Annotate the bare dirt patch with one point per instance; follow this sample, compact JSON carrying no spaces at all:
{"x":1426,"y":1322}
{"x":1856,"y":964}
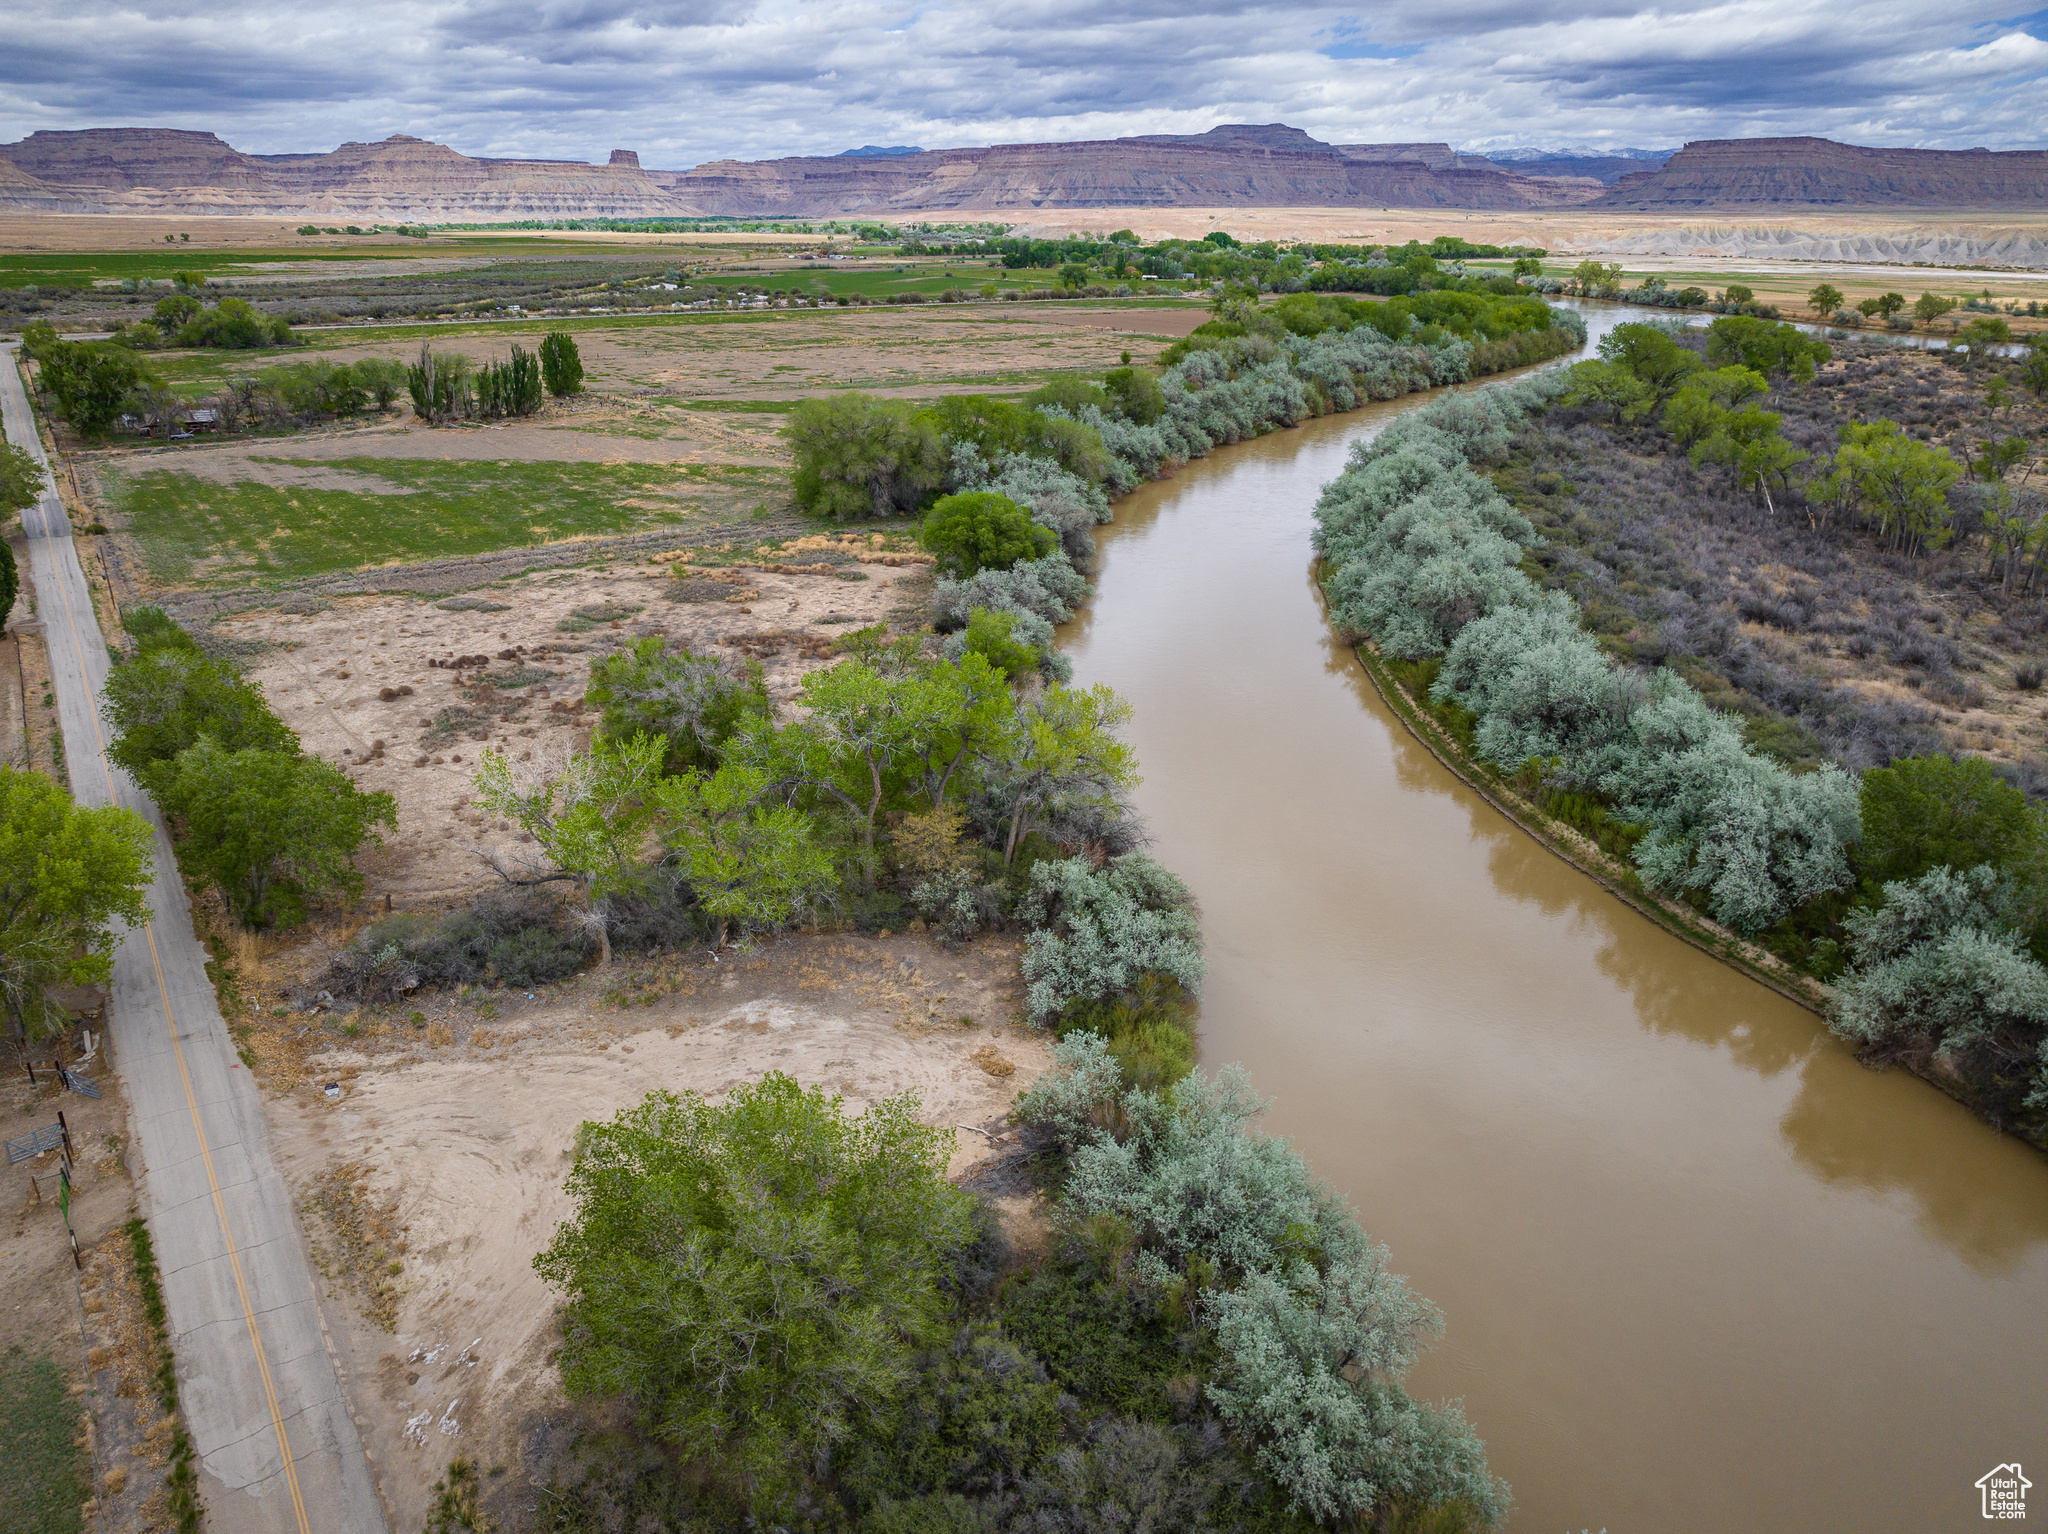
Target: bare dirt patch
{"x":453,"y":1136}
{"x":372,"y":682}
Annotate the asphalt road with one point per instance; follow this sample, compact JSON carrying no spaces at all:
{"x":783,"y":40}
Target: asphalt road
{"x":277,"y":1448}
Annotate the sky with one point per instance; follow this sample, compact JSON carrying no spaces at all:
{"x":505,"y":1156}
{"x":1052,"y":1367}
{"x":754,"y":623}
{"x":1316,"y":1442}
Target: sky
{"x":687,"y":81}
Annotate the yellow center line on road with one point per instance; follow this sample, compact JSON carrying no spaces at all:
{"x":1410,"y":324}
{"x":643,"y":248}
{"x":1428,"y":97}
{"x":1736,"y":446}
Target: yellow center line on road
{"x":163,"y":991}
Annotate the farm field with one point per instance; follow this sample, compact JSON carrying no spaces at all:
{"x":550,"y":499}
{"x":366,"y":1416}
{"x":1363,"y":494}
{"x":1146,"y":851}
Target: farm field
{"x":677,"y":431}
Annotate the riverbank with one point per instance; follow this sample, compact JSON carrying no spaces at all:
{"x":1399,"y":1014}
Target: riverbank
{"x":1611,"y":874}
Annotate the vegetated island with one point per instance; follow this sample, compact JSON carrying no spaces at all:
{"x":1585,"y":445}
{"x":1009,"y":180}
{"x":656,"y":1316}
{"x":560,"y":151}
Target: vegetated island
{"x":1770,"y":671}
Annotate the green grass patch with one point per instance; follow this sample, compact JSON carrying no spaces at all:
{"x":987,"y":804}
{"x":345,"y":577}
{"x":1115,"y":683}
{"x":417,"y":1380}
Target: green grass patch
{"x":190,"y":529}
{"x":48,"y":1475}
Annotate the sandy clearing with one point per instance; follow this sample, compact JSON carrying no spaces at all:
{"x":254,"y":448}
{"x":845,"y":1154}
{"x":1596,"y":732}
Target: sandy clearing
{"x":466,"y":1143}
{"x":327,"y":686}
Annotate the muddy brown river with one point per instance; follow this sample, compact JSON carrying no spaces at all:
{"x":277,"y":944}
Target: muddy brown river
{"x":1700,"y":1270}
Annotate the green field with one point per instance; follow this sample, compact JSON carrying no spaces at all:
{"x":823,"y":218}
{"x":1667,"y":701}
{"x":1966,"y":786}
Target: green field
{"x":47,"y":1475}
{"x":197,"y":530}
{"x":79,"y":269}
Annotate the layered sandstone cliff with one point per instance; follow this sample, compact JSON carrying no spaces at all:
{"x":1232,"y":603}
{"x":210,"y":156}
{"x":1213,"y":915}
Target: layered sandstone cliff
{"x":161,"y":170}
{"x":116,"y":170}
{"x":1817,"y":172}
{"x":151,"y":170}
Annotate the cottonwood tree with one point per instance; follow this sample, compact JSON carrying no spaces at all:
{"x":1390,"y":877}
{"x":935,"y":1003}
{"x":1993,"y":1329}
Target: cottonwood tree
{"x":67,"y":876}
{"x":272,"y":830}
{"x":21,"y":478}
{"x":591,"y":815}
{"x":1059,"y":754}
{"x":1824,"y":299}
{"x":747,"y":859}
{"x":754,"y":1279}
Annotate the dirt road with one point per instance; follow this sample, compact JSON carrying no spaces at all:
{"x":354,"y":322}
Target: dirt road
{"x":278,"y":1449}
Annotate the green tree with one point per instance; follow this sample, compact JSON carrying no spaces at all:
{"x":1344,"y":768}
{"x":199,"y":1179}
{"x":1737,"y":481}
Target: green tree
{"x":440,"y":385}
{"x":756,"y":1278}
{"x":66,"y":876}
{"x":1648,"y":354}
{"x":1983,"y":333}
{"x":748,"y":860}
{"x":176,"y":311}
{"x":272,"y":831}
{"x":693,"y":703}
{"x":1135,"y":394}
{"x":1925,"y":812}
{"x":1074,"y":275}
{"x":1747,"y":442}
{"x":1902,"y":483}
{"x":10,"y":581}
{"x":1596,"y":280}
{"x":1889,"y":304}
{"x":561,"y":365}
{"x":1929,"y":307}
{"x":2034,"y":366}
{"x":234,"y":323}
{"x":92,"y":381}
{"x":170,"y":697}
{"x":992,"y":636}
{"x":21,"y":478}
{"x":590,"y":814}
{"x":1610,"y":385}
{"x":1765,"y":347}
{"x":1738,"y":295}
{"x":1824,"y":299}
{"x":1060,"y":754}
{"x":383,"y":378}
{"x":1528,"y":266}
{"x":981,"y":530}
{"x":858,"y":456}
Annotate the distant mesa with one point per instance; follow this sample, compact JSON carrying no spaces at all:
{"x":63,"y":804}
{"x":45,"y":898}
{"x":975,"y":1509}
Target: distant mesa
{"x":1247,"y":165}
{"x":1819,"y":173}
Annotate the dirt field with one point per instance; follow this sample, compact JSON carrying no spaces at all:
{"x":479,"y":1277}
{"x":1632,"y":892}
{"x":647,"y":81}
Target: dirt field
{"x":422,"y":745}
{"x":911,"y":350}
{"x":434,"y":1174}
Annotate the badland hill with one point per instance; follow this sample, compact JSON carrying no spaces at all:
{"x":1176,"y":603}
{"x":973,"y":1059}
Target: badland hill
{"x":162,"y":170}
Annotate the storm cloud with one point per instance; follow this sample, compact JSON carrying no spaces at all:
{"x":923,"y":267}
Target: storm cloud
{"x":696,"y":80}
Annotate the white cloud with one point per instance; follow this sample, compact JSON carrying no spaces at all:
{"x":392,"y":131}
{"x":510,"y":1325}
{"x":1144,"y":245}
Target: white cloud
{"x":684,"y":81}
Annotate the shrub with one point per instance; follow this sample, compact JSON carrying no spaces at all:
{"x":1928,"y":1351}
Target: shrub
{"x":858,"y":456}
{"x":1048,"y":588}
{"x":536,"y":956}
{"x":1066,"y":394}
{"x":1312,"y":1332}
{"x":1135,"y":394}
{"x":1939,"y":972}
{"x":977,"y":1417}
{"x":1016,"y":644}
{"x":1149,"y":1031}
{"x":1076,"y":1100}
{"x":1100,"y":931}
{"x":1105,"y":1339}
{"x":978,"y":529}
{"x":696,"y":703}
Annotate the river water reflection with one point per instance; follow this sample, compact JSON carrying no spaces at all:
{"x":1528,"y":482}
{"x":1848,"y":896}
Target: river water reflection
{"x":1700,"y":1270}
